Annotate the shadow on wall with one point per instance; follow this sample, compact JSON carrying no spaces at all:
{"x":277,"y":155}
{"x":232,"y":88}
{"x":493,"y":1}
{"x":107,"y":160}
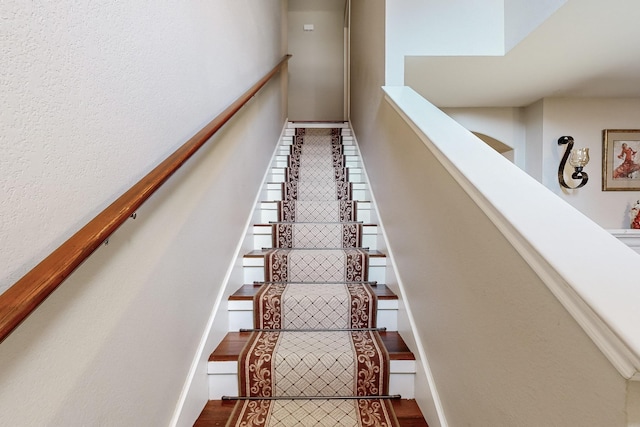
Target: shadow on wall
{"x":499,"y":146}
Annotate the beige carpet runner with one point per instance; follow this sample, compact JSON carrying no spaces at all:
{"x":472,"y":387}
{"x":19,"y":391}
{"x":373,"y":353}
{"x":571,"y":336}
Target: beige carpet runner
{"x":315,"y":358}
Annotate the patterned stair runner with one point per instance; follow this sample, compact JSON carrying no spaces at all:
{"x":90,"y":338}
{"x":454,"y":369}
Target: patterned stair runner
{"x":315,"y":314}
{"x":313,"y":211}
{"x":314,"y":306}
{"x":316,"y":265}
{"x":317,"y":235}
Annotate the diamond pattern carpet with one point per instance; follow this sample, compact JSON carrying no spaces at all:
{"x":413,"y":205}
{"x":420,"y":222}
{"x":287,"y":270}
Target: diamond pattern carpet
{"x":315,"y":358}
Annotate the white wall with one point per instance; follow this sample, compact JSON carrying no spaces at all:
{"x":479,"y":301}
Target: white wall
{"x":584,"y":119}
{"x":533,"y":121}
{"x":440,"y":28}
{"x":536,"y":130}
{"x":502,"y":349}
{"x":503,"y":124}
{"x":316,"y":86}
{"x":94,"y":95}
{"x":367,"y":76}
{"x":521,"y":17}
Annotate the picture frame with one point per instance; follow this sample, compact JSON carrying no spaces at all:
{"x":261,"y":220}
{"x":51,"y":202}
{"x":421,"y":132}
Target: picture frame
{"x":621,"y":160}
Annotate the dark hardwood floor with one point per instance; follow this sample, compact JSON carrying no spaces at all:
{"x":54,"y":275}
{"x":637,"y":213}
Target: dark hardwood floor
{"x":232,"y":344}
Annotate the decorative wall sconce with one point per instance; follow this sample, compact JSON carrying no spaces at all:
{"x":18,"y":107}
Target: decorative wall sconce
{"x":578,"y":158}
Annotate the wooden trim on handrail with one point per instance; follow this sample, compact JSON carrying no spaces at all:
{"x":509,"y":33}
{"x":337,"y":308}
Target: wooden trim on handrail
{"x":21,"y":299}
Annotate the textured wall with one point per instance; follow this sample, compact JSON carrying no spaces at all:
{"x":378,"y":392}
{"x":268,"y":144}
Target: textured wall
{"x":96,"y":93}
{"x":93,"y":95}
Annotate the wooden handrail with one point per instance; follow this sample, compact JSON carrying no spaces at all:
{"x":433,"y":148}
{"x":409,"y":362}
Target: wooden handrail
{"x":21,"y":299}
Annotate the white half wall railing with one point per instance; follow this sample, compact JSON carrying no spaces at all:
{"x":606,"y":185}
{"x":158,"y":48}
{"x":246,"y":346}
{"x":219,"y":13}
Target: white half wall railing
{"x":583,"y":265}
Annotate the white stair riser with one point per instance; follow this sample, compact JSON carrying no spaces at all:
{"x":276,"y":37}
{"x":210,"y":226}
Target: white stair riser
{"x":359,"y":192}
{"x":264,"y":241}
{"x":347,"y":143}
{"x":269,"y":212}
{"x":223,"y":379}
{"x":291,"y":126}
{"x":263,"y":238}
{"x":277,"y":175}
{"x":241,"y":315}
{"x":351,"y":161}
{"x":284,"y":149}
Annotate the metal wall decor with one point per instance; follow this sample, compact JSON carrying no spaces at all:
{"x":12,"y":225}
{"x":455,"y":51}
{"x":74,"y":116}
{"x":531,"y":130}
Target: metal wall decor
{"x":578,"y":158}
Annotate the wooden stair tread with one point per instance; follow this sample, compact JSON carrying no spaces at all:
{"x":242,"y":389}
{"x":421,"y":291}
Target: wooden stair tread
{"x":217,"y":412}
{"x":246,"y":292}
{"x":233,"y":343}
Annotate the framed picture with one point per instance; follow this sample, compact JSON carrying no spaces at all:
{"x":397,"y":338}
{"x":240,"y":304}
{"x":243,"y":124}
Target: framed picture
{"x":621,"y":160}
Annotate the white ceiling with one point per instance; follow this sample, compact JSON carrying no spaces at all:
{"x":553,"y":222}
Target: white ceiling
{"x":588,"y":48}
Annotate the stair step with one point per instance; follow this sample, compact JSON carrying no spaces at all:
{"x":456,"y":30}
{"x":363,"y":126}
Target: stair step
{"x":360,"y":192}
{"x":230,"y":347}
{"x":278,"y":174}
{"x":253,"y":266}
{"x":269,"y":211}
{"x":223,"y":365}
{"x":263,"y":236}
{"x":240,"y":307}
{"x":352,"y":159}
{"x":285,"y":149}
{"x":317,"y":257}
{"x":246,"y":293}
{"x":218,"y":412}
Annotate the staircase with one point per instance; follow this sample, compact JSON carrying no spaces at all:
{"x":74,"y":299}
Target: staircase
{"x":313,"y":332}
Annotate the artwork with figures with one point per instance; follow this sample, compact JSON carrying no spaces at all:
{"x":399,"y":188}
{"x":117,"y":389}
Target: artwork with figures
{"x":625,"y":165}
{"x":621,"y":160}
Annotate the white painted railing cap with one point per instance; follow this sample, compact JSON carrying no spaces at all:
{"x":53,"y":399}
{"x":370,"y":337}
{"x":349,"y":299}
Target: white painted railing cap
{"x":581,"y":263}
